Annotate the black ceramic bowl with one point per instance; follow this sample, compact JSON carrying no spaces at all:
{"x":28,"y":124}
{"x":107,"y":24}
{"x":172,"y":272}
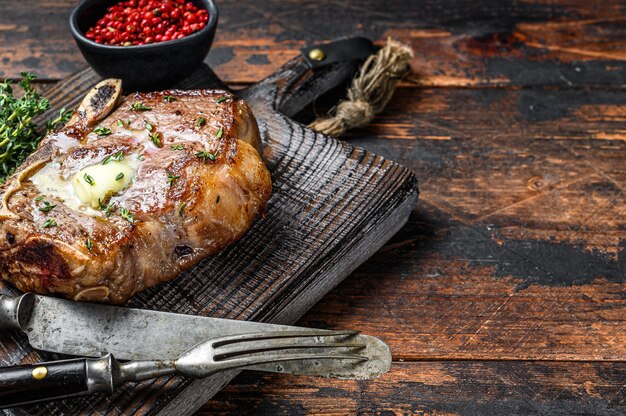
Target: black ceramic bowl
{"x":143,"y":67}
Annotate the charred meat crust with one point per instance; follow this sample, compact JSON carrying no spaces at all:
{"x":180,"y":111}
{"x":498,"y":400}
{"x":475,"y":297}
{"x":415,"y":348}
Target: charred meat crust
{"x":42,"y":257}
{"x":102,"y":97}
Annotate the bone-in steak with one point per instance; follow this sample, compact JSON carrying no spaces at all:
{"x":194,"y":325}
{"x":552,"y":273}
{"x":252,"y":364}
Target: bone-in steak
{"x":130,"y":194}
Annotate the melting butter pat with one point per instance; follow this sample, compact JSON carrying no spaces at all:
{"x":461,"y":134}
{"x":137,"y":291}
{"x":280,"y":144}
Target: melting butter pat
{"x":96,"y":183}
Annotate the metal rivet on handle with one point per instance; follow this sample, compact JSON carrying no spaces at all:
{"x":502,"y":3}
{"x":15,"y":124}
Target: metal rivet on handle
{"x":317,"y":54}
{"x":40,"y":373}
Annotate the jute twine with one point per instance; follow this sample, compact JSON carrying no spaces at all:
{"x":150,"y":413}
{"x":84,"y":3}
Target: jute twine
{"x":370,"y":91}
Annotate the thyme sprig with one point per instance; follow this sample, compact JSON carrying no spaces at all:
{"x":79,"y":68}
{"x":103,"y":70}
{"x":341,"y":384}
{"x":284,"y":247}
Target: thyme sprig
{"x":171,"y":178}
{"x":139,"y":107}
{"x":206,"y":155}
{"x":117,"y":157}
{"x":89,"y":179}
{"x":156,"y":139}
{"x":18,"y":135}
{"x":127,"y":215}
{"x":103,"y":131}
{"x":47,"y":207}
{"x":63,"y":117}
{"x":49,"y":223}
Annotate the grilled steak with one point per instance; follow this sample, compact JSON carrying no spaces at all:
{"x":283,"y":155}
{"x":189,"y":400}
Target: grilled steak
{"x":131,"y":193}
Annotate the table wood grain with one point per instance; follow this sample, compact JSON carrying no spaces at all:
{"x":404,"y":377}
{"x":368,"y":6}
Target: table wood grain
{"x":504,"y":294}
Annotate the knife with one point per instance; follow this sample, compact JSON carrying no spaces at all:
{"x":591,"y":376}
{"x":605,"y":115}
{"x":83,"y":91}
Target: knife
{"x":94,"y":330}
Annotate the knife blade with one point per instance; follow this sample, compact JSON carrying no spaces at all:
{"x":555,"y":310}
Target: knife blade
{"x":93,"y":330}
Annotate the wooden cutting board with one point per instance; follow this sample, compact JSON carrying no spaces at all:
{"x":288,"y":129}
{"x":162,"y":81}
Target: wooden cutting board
{"x":333,"y":206}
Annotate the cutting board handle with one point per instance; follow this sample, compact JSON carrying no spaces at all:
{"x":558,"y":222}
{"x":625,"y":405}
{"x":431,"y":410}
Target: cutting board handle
{"x":302,"y":79}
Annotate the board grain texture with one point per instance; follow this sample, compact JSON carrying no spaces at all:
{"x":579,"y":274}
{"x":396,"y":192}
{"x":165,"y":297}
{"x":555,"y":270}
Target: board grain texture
{"x":504,"y":293}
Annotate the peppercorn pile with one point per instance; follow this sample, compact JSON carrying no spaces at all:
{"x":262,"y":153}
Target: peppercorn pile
{"x":141,"y":22}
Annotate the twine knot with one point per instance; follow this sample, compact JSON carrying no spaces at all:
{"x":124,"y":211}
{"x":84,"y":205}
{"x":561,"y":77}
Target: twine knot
{"x":370,"y":91}
{"x":348,"y":115}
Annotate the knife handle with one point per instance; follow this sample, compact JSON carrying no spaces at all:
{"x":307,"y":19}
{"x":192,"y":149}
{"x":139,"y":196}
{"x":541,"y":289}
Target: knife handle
{"x":25,"y":384}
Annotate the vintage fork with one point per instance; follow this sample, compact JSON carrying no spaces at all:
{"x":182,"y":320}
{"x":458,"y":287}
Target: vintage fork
{"x":76,"y":377}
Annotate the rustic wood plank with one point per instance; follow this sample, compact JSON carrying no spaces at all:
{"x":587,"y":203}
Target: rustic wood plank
{"x":459,"y":43}
{"x":466,"y":388}
{"x":517,"y":249}
{"x":443,"y":290}
{"x":545,"y":161}
{"x":528,"y":158}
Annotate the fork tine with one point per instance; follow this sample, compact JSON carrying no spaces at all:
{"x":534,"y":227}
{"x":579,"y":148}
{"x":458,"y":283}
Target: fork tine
{"x":253,"y":347}
{"x":277,"y":358}
{"x":208,"y":357}
{"x":218,"y":342}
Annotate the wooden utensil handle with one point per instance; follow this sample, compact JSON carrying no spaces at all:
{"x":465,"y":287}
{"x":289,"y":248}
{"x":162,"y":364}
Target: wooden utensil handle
{"x":32,"y":383}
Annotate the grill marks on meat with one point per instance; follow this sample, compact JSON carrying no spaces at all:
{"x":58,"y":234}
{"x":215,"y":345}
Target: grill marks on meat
{"x":183,"y":207}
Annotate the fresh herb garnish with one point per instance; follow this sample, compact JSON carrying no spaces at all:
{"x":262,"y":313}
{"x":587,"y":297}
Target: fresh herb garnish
{"x":178,"y":147}
{"x":119,"y":176}
{"x":63,"y":117}
{"x":156,"y":139}
{"x":221,"y":100}
{"x":171,"y":178}
{"x":169,"y":98}
{"x":49,"y":223}
{"x":106,"y":208}
{"x":219,"y":133}
{"x":39,"y":198}
{"x":141,"y":158}
{"x":103,"y":131}
{"x":127,"y":215}
{"x":47,"y":207}
{"x":89,"y":244}
{"x":181,"y":210}
{"x":117,"y":157}
{"x":206,"y":155}
{"x":120,"y":123}
{"x":89,"y":179}
{"x":148,"y":126}
{"x":140,"y":107}
{"x":200,"y":122}
{"x":18,"y":135}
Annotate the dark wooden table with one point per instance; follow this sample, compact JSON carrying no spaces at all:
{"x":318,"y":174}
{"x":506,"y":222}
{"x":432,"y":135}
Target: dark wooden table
{"x":505,"y":293}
